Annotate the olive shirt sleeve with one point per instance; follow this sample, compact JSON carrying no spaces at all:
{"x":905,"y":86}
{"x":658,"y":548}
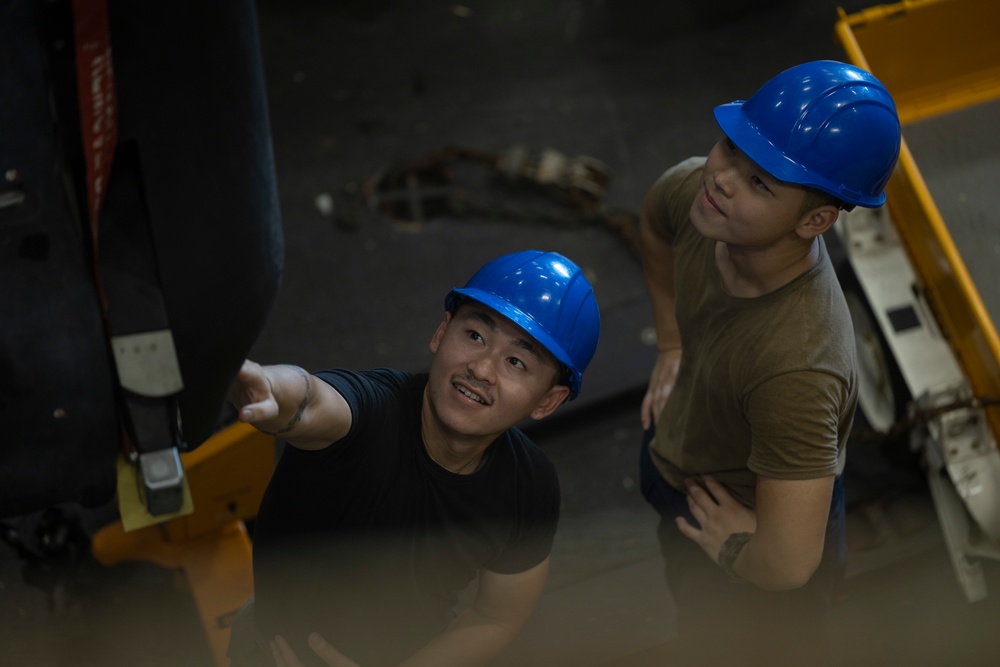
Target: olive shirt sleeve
{"x":536,"y":516}
{"x":806,"y":446}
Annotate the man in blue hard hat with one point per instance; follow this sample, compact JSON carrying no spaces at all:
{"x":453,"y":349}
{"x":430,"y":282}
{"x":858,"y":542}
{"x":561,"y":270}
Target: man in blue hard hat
{"x":399,"y":489}
{"x":754,"y":387}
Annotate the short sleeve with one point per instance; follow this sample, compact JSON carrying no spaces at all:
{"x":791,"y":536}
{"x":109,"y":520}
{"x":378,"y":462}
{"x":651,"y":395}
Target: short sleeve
{"x":794,"y":423}
{"x":538,"y":500}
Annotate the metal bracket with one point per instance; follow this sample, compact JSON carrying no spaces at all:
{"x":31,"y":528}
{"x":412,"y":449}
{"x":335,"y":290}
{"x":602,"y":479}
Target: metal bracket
{"x":147,"y":363}
{"x":964,"y":477}
{"x":162,"y":481}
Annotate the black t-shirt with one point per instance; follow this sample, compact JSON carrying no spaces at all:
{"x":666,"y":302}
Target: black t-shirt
{"x":368,"y":541}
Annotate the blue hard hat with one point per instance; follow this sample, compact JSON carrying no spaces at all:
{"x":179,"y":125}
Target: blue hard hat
{"x":824,"y":124}
{"x":548,"y":296}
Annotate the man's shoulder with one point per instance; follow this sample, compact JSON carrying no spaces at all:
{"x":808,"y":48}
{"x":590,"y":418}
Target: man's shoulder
{"x":387,"y":377}
{"x":372,"y":390}
{"x":527,"y":453}
{"x":683,"y":176}
{"x":811,"y":312}
{"x":684,"y":168}
{"x":670,"y":198}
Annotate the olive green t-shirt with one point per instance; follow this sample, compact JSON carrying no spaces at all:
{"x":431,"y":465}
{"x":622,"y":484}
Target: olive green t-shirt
{"x":766,"y":385}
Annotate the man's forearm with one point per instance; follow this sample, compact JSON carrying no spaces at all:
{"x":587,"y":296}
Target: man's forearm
{"x":657,"y":256}
{"x":787,"y":546}
{"x":759,"y":566}
{"x":471,"y":639}
{"x":291,"y":387}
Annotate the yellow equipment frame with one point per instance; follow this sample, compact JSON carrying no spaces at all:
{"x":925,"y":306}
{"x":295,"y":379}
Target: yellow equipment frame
{"x":920,"y":50}
{"x":227,"y":476}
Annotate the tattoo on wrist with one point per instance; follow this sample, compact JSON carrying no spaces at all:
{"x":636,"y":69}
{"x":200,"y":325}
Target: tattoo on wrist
{"x":730,"y":550}
{"x":302,"y":406}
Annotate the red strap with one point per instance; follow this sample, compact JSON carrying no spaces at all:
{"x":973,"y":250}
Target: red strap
{"x":95,"y":84}
{"x":96,"y":88}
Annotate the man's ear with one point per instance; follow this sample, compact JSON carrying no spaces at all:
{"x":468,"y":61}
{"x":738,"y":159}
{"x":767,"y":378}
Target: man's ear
{"x":817,"y":221}
{"x":552,"y":399}
{"x":439,"y":333}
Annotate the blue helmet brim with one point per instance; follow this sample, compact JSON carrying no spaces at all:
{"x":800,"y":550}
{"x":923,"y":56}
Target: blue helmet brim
{"x":749,"y":139}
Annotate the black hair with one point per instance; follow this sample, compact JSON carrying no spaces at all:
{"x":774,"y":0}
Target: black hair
{"x":816,"y":198}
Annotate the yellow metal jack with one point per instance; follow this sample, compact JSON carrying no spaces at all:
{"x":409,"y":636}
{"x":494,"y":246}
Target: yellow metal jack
{"x":227,"y":476}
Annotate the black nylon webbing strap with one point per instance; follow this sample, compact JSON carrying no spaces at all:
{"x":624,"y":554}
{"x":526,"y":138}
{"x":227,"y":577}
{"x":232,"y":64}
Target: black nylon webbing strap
{"x":141,"y":341}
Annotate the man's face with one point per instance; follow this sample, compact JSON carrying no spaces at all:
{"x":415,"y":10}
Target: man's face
{"x":488,"y":374}
{"x":743,"y":205}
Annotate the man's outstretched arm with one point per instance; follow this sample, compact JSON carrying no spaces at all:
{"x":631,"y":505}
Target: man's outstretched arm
{"x":288,"y":402}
